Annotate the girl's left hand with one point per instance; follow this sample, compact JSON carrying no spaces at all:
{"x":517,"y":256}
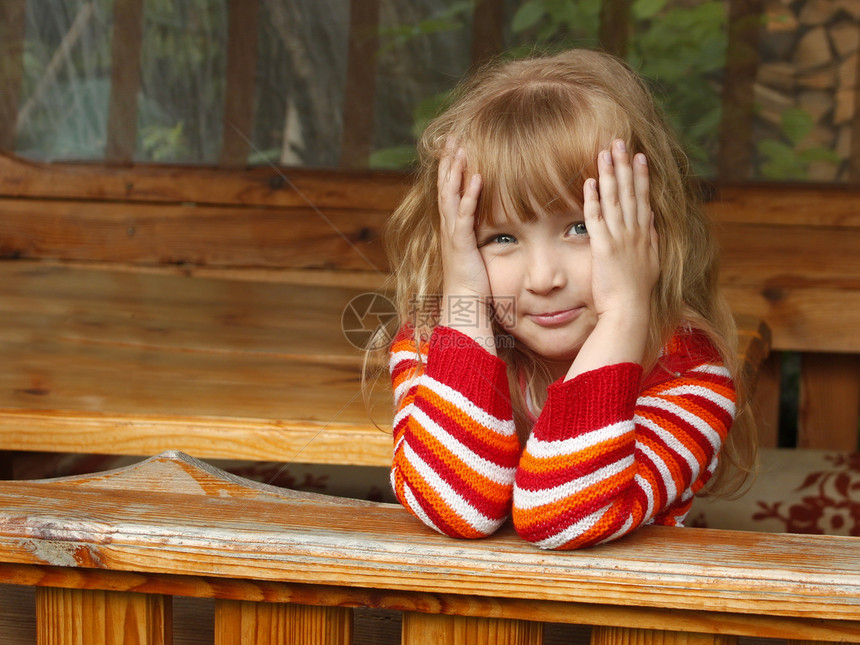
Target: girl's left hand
{"x":620,"y":223}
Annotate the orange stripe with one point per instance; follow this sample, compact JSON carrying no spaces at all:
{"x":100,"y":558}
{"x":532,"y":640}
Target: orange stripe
{"x":528,"y":519}
{"x":478,"y":482}
{"x":488,"y":435}
{"x":671,"y":463}
{"x":432,"y":497}
{"x":545,"y":465}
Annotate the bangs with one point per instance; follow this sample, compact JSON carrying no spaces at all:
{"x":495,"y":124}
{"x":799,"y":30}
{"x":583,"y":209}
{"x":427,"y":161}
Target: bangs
{"x":535,"y":145}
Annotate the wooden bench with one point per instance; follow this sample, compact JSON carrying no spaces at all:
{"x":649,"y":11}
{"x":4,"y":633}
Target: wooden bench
{"x":142,"y":325}
{"x":107,"y":552}
{"x":193,"y":267}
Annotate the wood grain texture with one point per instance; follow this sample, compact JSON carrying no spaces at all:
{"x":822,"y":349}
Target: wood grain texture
{"x":376,"y":190}
{"x":299,"y":237}
{"x":240,"y":93}
{"x":295,"y":540}
{"x":12,"y":28}
{"x":137,"y":363}
{"x":436,"y":629}
{"x":360,"y":90}
{"x":488,"y":32}
{"x":829,"y":402}
{"x":86,"y":617}
{"x":259,"y":623}
{"x":127,"y":43}
{"x":124,"y":363}
{"x":562,"y":612}
{"x":735,"y":143}
{"x":622,"y":636}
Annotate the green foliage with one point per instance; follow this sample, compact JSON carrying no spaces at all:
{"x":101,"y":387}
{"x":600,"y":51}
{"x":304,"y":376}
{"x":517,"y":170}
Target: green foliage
{"x":790,"y":160}
{"x":679,"y":49}
{"x":557,"y":23}
{"x":450,"y":18}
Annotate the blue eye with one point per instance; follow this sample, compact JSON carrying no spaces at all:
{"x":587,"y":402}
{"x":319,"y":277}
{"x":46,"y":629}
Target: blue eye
{"x":577,"y":229}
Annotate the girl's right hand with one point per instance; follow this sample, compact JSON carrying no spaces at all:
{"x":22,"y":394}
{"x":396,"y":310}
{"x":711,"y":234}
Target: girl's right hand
{"x":464,"y":274}
{"x":463,"y":268}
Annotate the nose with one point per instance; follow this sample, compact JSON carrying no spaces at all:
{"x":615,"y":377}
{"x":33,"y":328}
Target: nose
{"x":545,"y":272}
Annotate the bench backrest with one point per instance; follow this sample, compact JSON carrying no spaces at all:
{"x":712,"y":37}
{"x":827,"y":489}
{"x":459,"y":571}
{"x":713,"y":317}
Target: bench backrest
{"x":789,"y":254}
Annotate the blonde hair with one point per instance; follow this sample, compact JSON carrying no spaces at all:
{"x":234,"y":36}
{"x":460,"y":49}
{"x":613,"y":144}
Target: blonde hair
{"x":532,"y":128}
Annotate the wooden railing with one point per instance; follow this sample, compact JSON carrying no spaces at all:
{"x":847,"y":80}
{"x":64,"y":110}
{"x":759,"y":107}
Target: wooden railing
{"x":107,"y":552}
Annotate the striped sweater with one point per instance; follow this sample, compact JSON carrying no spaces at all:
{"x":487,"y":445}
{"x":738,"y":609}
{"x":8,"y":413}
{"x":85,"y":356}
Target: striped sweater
{"x":609,"y":452}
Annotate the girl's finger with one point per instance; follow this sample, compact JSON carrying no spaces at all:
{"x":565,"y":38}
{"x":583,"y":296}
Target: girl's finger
{"x":610,"y":206}
{"x":591,"y":207}
{"x":624,"y":182}
{"x":469,"y":201}
{"x":642,"y":186}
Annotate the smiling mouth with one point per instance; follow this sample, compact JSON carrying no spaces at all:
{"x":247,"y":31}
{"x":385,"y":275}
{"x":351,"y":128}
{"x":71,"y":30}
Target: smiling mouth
{"x":555,"y":318}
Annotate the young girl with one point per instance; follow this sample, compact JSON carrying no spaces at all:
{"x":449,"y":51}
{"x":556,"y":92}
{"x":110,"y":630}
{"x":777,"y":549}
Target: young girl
{"x":566,"y":358}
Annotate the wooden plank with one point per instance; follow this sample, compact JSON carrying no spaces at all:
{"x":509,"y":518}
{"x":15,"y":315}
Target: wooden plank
{"x":240,"y":93}
{"x":622,"y":636}
{"x":360,"y":91}
{"x":316,"y":189}
{"x":439,"y":629}
{"x":735,"y":151}
{"x":488,"y":32}
{"x":18,"y":614}
{"x":127,"y":42}
{"x":805,"y":286}
{"x":572,"y":613}
{"x":262,"y":623}
{"x":12,"y":27}
{"x":765,"y":401}
{"x":615,"y":26}
{"x":753,"y":343}
{"x":86,"y":617}
{"x":217,"y":368}
{"x":173,"y":312}
{"x":794,"y":204}
{"x":290,"y":538}
{"x":829,"y":402}
{"x":182,"y":234}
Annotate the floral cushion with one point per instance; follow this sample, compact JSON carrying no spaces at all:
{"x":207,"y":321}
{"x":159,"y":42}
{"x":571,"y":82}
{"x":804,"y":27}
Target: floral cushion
{"x":796,"y":491}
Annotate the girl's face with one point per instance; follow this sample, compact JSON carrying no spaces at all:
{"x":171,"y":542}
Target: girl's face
{"x":540,"y":278}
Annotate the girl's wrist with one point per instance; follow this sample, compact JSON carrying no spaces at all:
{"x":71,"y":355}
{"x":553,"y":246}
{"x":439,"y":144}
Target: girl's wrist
{"x":471,"y":315}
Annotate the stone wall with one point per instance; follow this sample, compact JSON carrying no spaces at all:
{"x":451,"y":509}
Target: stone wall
{"x":809,"y":60}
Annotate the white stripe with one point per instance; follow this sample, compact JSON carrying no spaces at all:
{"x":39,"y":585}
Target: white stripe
{"x":671,"y":489}
{"x":475,"y":462}
{"x":528,"y":499}
{"x":549,"y":449}
{"x":672,"y":442}
{"x":572,"y":531}
{"x":401,"y":390}
{"x":504,"y":427}
{"x":710,"y":368}
{"x":646,"y":488}
{"x":703,"y":392}
{"x":415,"y":507}
{"x":624,"y":530}
{"x":688,"y":417}
{"x":450,"y":497}
{"x":395,"y":358}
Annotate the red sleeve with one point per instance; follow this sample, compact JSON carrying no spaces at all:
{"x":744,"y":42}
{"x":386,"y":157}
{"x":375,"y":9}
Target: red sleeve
{"x":455,"y":446}
{"x":611,"y":451}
